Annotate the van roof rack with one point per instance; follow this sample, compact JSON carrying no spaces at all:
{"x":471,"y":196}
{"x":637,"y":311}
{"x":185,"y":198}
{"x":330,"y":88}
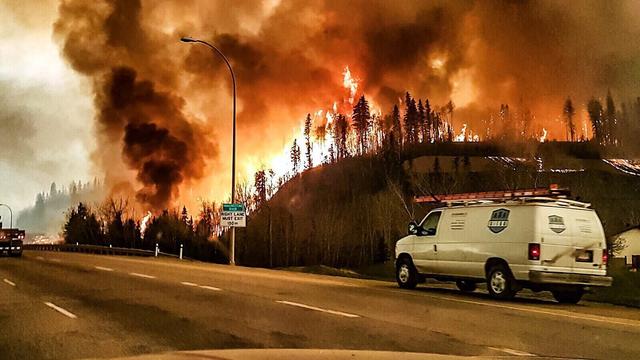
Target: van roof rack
{"x":551,"y":194}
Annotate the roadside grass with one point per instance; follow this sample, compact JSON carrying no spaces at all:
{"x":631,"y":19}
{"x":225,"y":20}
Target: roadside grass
{"x":324,"y":270}
{"x":624,"y":291}
{"x":380,"y":271}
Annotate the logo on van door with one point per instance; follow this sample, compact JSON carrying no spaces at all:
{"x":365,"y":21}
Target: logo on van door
{"x":499,"y":220}
{"x":556,"y":224}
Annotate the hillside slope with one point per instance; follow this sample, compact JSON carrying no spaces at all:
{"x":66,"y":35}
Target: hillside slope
{"x":351,"y":213}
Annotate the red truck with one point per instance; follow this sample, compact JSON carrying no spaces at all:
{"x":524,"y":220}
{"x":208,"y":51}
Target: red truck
{"x":11,"y":242}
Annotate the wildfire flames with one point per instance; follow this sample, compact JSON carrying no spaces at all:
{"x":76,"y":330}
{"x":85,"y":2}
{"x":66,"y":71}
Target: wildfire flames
{"x":543,"y":138}
{"x":349,"y":83}
{"x":144,"y":221}
{"x":163,"y":108}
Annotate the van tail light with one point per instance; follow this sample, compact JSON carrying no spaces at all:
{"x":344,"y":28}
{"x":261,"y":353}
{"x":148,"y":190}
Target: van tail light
{"x":534,"y":251}
{"x":605,"y":256}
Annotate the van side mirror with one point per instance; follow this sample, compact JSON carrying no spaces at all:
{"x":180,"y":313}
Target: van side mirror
{"x":413,"y":228}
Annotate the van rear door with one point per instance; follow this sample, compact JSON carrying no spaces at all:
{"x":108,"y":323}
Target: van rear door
{"x":588,"y":241}
{"x":571,"y":239}
{"x":556,"y":239}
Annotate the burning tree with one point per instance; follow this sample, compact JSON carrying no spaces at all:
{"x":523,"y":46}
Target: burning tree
{"x":340,"y":135}
{"x":362,"y":123}
{"x":411,"y":125}
{"x":569,"y":111}
{"x":396,"y":128}
{"x":594,"y":108}
{"x":307,"y":143}
{"x":295,"y":157}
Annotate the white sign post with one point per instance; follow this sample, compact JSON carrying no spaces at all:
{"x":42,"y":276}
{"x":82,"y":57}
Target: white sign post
{"x":233,"y":215}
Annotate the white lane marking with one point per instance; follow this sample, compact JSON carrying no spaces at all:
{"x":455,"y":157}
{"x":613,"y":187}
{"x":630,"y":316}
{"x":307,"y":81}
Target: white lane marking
{"x":210,"y":288}
{"x":340,"y":313}
{"x":142,"y":275}
{"x":60,"y":310}
{"x":103,"y":268}
{"x":188,"y":283}
{"x":9,"y":282}
{"x":578,"y":316}
{"x":39,"y":258}
{"x":511,"y":351}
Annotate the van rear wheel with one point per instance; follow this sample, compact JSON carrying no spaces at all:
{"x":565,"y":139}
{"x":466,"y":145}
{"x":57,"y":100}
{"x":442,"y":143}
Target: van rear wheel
{"x":568,"y":296}
{"x":466,"y":286}
{"x":406,"y":274}
{"x":500,"y":283}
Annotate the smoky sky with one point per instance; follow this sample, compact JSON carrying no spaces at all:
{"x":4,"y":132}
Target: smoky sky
{"x":289,"y":57}
{"x":42,"y":107}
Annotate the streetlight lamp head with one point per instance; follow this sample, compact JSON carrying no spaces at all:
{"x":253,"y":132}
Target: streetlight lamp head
{"x":187,"y":39}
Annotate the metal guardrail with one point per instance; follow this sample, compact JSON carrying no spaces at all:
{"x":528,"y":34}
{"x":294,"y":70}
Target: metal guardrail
{"x":94,"y":249}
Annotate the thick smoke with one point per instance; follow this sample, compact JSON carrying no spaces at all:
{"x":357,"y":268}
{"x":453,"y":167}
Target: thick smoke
{"x":163,"y":158}
{"x":289,"y":56}
{"x":141,"y":121}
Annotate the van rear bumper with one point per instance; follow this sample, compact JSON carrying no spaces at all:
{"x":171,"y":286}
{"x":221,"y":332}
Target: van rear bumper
{"x":546,"y":277}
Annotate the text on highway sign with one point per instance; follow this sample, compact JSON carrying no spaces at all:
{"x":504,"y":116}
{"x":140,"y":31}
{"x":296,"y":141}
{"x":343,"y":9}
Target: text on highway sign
{"x":233,"y":215}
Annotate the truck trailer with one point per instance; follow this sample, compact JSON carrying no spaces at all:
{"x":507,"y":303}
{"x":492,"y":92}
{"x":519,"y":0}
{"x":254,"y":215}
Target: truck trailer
{"x":11,"y":242}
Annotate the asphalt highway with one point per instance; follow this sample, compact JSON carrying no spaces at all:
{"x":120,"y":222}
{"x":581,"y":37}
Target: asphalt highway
{"x":72,"y":306}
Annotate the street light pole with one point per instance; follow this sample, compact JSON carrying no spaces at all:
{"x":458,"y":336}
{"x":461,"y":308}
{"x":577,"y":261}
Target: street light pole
{"x":232,"y":259}
{"x":11,"y":215}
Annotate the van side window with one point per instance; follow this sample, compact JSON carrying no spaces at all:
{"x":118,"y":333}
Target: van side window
{"x":430,"y":223}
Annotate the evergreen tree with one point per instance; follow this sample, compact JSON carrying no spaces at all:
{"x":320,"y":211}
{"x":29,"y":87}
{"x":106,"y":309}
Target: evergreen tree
{"x":295,"y":157}
{"x":82,"y":226}
{"x":569,"y":111}
{"x":396,"y":127}
{"x":428,"y":122}
{"x":341,"y":133}
{"x":115,"y":230}
{"x":410,"y":119}
{"x":53,"y":191}
{"x":362,"y":122}
{"x":184,"y":216}
{"x":131,"y":234}
{"x":260,"y":184}
{"x":437,"y":126}
{"x":422,"y":123}
{"x":594,"y":108}
{"x":332,"y":154}
{"x":321,"y":133}
{"x":307,"y":142}
{"x":610,"y":121}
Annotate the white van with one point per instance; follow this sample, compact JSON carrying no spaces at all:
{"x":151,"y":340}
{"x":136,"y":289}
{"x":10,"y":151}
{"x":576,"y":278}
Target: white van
{"x":536,"y":243}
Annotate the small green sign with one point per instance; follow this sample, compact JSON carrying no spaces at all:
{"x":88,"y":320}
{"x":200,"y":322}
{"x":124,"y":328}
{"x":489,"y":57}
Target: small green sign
{"x":233,"y":207}
{"x":233,"y":215}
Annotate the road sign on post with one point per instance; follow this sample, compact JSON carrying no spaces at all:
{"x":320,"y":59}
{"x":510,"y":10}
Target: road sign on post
{"x":233,"y":215}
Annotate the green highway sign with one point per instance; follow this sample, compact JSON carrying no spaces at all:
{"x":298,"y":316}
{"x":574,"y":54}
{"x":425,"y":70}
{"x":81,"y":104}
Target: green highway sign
{"x":232,"y":207}
{"x":233,"y":215}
